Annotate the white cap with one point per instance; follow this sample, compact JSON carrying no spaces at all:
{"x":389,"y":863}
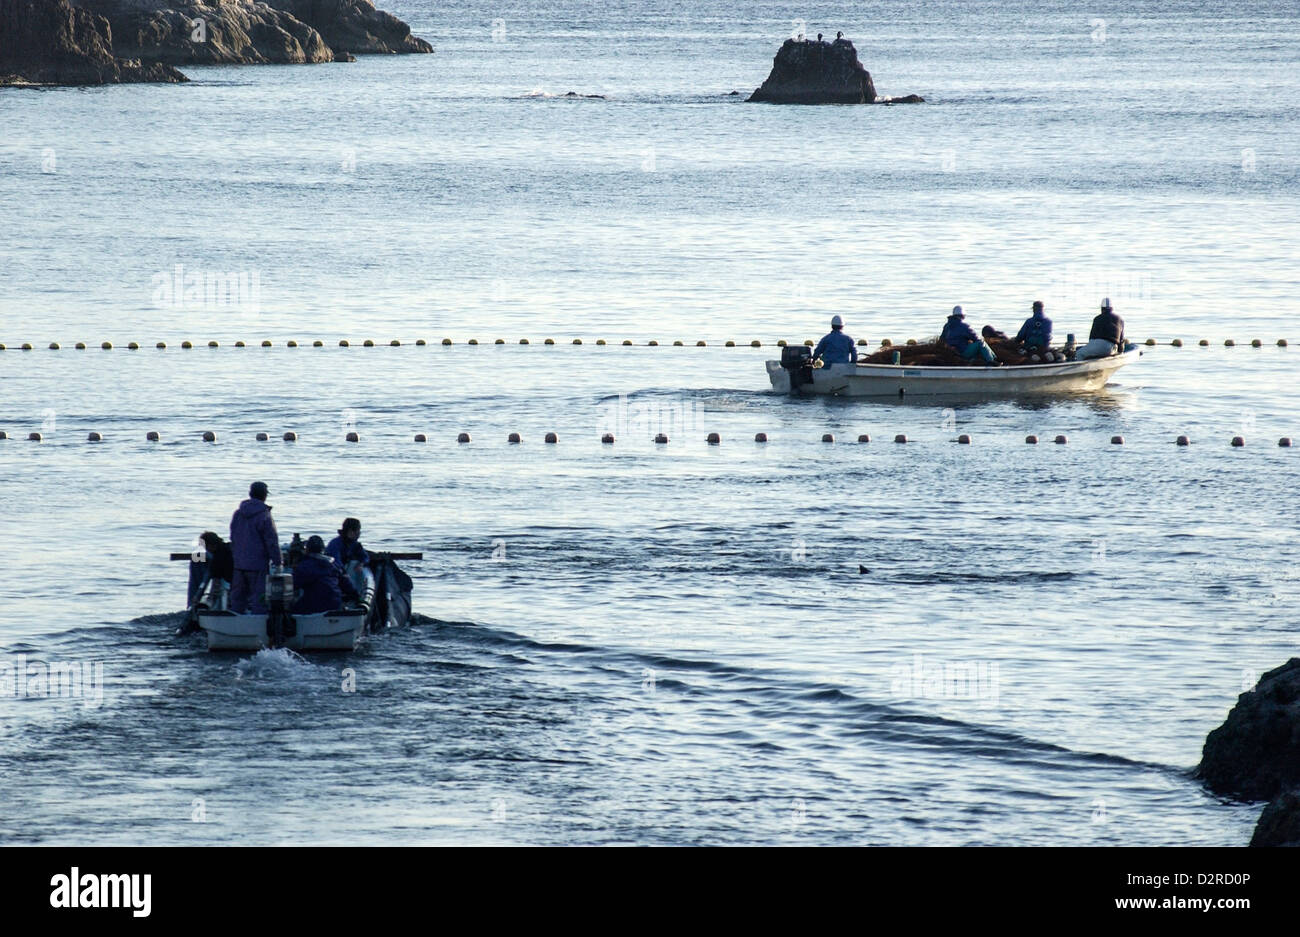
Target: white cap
{"x":956,"y":311}
{"x":836,"y":322}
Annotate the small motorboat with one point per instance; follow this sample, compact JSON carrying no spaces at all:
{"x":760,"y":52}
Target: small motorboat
{"x":795,"y":374}
{"x":384,"y":592}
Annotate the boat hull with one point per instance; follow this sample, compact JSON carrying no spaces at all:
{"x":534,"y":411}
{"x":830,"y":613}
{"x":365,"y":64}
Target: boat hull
{"x":897,"y":380}
{"x":327,"y":631}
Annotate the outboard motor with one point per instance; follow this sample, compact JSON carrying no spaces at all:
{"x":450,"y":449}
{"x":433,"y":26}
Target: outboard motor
{"x":279,"y":602}
{"x":797,"y":359}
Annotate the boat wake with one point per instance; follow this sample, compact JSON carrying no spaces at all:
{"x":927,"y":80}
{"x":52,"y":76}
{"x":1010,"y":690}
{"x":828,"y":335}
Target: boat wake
{"x":273,"y":664}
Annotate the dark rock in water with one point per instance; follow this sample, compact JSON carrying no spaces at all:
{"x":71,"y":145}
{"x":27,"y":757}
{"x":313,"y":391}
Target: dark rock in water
{"x":354,"y":25}
{"x":51,"y":42}
{"x":1279,"y":824}
{"x":905,"y":99}
{"x":808,"y":71}
{"x":816,"y":72}
{"x":1255,"y":754}
{"x":218,"y":32}
{"x":249,"y":32}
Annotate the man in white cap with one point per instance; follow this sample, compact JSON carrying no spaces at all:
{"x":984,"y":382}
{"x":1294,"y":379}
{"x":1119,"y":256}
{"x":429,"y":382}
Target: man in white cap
{"x":836,"y":347}
{"x":1106,"y":337}
{"x":962,"y":339}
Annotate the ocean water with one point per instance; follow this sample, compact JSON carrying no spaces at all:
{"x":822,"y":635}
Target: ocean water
{"x":795,"y":642}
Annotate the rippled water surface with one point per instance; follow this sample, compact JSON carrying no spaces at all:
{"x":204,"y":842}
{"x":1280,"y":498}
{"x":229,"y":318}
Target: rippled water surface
{"x":796,"y":641}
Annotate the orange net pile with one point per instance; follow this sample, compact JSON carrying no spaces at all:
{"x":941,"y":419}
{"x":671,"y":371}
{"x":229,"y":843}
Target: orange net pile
{"x":935,"y":352}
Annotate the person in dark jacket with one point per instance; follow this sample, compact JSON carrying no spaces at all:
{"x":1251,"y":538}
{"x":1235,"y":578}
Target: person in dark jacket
{"x":1036,"y":334}
{"x":255,"y":547}
{"x":962,"y":339}
{"x":221,"y":567}
{"x":1106,"y":337}
{"x":318,"y":582}
{"x":836,"y":347}
{"x":346,"y":547}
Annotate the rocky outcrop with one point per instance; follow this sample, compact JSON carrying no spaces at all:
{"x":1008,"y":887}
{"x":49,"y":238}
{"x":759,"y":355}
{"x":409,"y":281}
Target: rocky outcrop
{"x":812,"y":71}
{"x":97,"y":41}
{"x":51,"y":42}
{"x":215,"y":32}
{"x":1255,"y":754}
{"x":252,"y":32}
{"x":1279,"y":824}
{"x":354,"y":26}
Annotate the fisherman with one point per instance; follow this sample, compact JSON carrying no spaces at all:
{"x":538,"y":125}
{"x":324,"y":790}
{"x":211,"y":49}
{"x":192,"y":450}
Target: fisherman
{"x":1106,"y":337}
{"x":255,"y":546}
{"x":836,"y":347}
{"x":1036,"y":334}
{"x":962,"y":339}
{"x":319,"y":584}
{"x":346,"y":547}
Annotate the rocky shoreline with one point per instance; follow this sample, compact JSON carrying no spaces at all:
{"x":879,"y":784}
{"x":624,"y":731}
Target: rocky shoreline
{"x":1255,"y":755}
{"x":88,"y":42}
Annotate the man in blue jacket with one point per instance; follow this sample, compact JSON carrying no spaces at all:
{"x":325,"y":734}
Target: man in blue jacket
{"x":836,"y":347}
{"x":962,"y":339}
{"x":255,"y":546}
{"x":1036,"y":334}
{"x":346,"y":547}
{"x":319,"y":582}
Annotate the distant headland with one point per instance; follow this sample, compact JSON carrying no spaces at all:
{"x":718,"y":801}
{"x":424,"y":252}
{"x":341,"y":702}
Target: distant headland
{"x":87,"y":42}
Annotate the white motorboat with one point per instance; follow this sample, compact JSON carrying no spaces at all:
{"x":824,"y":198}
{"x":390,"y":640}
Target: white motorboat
{"x":384,"y":601}
{"x":794,"y":374}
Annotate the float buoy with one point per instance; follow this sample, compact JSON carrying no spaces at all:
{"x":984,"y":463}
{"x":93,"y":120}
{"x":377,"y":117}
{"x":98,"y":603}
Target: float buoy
{"x":352,"y":437}
{"x":551,"y":437}
{"x":713,"y":439}
{"x":463,"y":437}
{"x":290,"y":436}
{"x":1031,"y":440}
{"x":760,"y":437}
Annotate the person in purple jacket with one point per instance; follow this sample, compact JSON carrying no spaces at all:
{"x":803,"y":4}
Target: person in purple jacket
{"x":256,"y":547}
